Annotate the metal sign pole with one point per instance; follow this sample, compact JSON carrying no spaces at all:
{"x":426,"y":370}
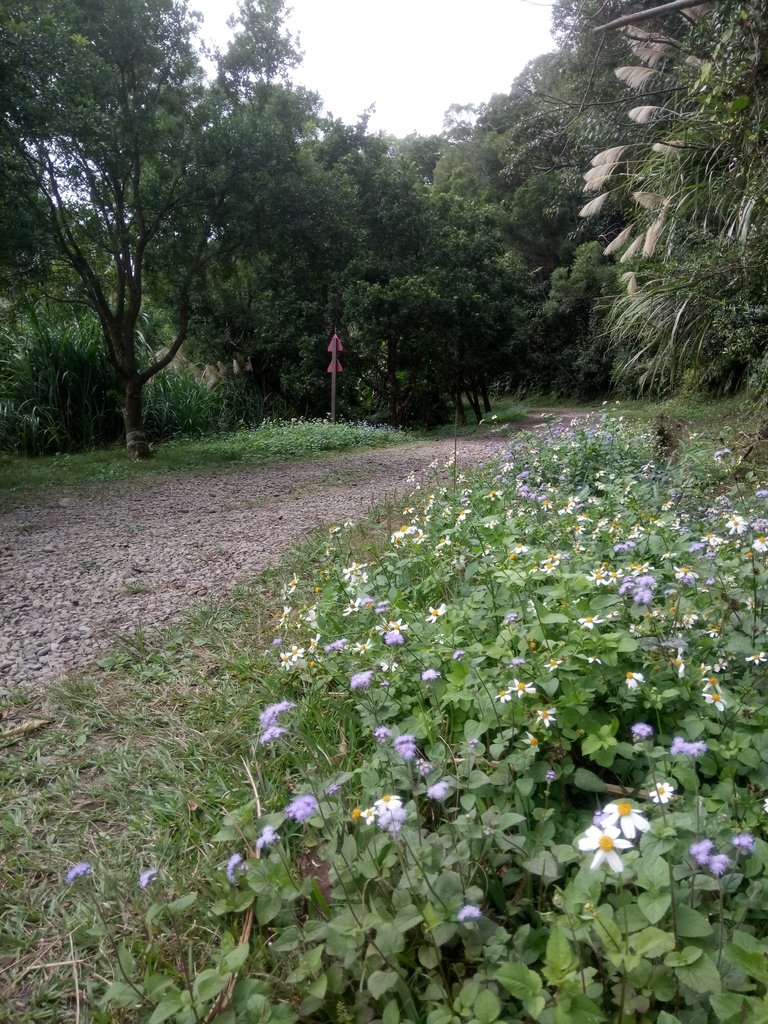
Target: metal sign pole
{"x":334,"y":347}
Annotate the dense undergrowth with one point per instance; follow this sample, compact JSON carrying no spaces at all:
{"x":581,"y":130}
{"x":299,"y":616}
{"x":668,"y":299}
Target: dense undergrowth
{"x":60,"y":394}
{"x":507,"y":763}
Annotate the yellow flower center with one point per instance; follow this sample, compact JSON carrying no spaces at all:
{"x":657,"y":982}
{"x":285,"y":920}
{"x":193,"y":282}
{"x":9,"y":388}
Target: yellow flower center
{"x":356,"y":814}
{"x":605,"y":843}
{"x":624,"y":808}
{"x":533,"y":741}
{"x":386,"y":798}
{"x":544,"y":714}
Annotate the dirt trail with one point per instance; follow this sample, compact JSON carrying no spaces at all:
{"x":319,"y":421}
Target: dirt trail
{"x":77,"y":571}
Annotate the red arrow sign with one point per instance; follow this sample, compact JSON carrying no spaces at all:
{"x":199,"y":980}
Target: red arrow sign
{"x":334,"y":345}
{"x":334,"y":366}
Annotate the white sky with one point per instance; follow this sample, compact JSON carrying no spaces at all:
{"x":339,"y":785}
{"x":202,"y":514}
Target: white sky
{"x":411,"y":58}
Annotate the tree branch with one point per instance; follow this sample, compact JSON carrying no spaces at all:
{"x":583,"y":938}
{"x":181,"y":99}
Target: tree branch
{"x":632,"y":19}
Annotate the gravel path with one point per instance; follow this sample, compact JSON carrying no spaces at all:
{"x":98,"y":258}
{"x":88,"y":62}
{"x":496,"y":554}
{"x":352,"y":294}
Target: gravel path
{"x":76,"y":571}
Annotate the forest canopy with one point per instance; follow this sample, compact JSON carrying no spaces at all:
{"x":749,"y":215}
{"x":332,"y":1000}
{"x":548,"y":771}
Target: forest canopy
{"x":599,"y":227}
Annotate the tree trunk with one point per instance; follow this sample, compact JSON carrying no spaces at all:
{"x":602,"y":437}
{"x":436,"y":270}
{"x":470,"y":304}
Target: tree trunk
{"x":486,"y":399}
{"x":136,"y":443}
{"x":474,"y":403}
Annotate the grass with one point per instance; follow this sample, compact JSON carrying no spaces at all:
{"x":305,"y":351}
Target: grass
{"x":136,"y":766}
{"x":272,"y":442}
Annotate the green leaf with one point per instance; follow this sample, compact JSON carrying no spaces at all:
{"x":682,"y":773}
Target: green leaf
{"x":683,"y":957}
{"x":584,"y":779}
{"x":391,"y":1014}
{"x":654,"y":907}
{"x":120,"y":994}
{"x":125,"y":960}
{"x":691,"y":924}
{"x":487,"y":1007}
{"x":389,"y":940}
{"x":560,"y":959}
{"x":166,"y":1009}
{"x":208,"y":984}
{"x":653,"y":873}
{"x":519,"y":981}
{"x":752,"y":962}
{"x":544,"y":865}
{"x":380,"y":982}
{"x":235,"y":959}
{"x":701,"y":976}
{"x":729,"y":1007}
{"x":653,"y":942}
{"x":268,"y":906}
{"x":428,"y":957}
{"x":183,"y":903}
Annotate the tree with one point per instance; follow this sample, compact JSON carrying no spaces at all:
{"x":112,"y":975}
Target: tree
{"x":103,"y":105}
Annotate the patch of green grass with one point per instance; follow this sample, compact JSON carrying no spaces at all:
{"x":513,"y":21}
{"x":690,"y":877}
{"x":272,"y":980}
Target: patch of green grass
{"x":140,"y":761}
{"x":272,"y":442}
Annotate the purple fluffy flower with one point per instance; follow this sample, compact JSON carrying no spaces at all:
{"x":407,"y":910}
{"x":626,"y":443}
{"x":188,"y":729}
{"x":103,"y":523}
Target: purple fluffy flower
{"x":394,"y":638}
{"x":361,"y":680}
{"x":271,"y":733}
{"x":701,"y":851}
{"x":762,"y":493}
{"x":510,"y":617}
{"x":405,"y":746}
{"x":439,"y":790}
{"x":458,"y":655}
{"x":719,"y":864}
{"x":469,"y":913}
{"x":517,"y":661}
{"x":695,"y":748}
{"x":641,"y":731}
{"x":392,"y":819}
{"x":744,"y":842}
{"x":381,"y":733}
{"x":429,"y":674}
{"x":381,"y":606}
{"x":234,"y":862}
{"x":423,"y":766}
{"x":270,"y":715}
{"x":80,"y":870}
{"x":267,"y":837}
{"x":301,"y":808}
{"x":337,"y":645}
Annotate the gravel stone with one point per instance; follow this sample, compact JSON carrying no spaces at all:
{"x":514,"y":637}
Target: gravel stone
{"x":103,"y":563}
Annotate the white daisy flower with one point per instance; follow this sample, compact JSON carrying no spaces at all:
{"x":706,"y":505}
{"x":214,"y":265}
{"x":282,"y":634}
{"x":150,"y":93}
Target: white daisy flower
{"x":624,"y":815}
{"x":606,"y":842}
{"x":662,"y":793}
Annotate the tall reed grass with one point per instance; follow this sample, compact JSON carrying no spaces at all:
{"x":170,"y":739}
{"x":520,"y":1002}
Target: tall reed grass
{"x":60,"y":394}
